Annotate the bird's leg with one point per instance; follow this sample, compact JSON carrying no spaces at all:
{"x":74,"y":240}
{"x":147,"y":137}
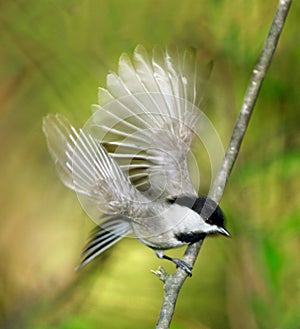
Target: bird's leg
{"x":179,"y":262}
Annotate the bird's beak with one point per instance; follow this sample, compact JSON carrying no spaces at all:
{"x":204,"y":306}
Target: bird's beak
{"x":222,"y":231}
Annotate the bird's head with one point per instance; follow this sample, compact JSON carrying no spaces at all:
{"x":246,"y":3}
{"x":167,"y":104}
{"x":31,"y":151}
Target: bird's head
{"x":212,"y":214}
{"x":209,"y":211}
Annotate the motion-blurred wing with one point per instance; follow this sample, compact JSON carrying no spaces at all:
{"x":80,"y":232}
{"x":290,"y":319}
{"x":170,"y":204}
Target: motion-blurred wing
{"x":84,"y":166}
{"x":147,"y":116}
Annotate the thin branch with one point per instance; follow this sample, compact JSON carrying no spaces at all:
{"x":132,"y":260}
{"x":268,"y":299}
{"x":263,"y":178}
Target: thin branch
{"x":174,"y":282}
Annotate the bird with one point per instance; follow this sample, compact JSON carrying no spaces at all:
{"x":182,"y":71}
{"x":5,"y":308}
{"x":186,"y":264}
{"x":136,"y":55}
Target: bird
{"x":129,"y":163}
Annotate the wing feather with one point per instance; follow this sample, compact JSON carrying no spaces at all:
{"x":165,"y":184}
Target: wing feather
{"x":147,"y":116}
{"x":85,"y":166}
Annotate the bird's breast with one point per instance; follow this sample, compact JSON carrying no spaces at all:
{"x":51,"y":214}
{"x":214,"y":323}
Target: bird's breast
{"x":171,"y":227}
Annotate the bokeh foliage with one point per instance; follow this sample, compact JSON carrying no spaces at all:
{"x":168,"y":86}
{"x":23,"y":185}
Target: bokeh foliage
{"x":54,"y":55}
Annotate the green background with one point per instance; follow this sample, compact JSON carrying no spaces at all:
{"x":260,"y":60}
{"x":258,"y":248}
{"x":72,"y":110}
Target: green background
{"x":53,"y":56}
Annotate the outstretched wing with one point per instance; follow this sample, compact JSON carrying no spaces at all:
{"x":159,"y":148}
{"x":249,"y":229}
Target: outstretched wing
{"x":146,"y":118}
{"x":84,"y":166}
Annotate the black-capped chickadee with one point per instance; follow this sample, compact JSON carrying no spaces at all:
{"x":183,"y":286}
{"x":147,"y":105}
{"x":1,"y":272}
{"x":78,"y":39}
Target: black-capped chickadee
{"x":128,"y":165}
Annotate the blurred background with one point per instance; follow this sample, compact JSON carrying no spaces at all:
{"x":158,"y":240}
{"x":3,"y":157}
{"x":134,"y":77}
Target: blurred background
{"x":54,"y":55}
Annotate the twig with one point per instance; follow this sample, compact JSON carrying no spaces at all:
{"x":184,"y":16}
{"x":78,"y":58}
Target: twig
{"x":173,"y":283}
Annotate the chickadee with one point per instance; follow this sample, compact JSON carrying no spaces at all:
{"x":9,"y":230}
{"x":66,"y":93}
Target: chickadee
{"x":128,"y":165}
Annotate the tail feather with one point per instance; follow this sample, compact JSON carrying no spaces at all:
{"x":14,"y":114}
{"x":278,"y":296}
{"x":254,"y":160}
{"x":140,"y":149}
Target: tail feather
{"x":103,"y":237}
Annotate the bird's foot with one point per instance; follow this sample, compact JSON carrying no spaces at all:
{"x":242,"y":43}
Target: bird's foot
{"x":179,"y":262}
{"x":183,"y":265}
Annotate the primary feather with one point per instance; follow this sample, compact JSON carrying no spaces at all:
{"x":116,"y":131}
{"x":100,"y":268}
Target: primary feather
{"x":146,"y":118}
{"x":85,"y":166}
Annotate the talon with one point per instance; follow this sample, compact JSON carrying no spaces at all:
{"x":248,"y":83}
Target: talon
{"x":184,"y":266}
{"x":179,"y":262}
